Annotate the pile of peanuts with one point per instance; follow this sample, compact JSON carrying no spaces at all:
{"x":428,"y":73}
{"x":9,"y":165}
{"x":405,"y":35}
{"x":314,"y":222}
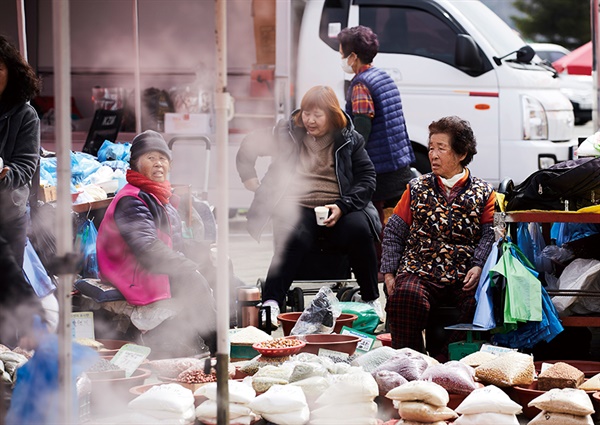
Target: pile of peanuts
{"x":196,"y":376}
{"x":281,"y":343}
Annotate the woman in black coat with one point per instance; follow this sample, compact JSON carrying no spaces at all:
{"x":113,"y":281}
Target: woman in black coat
{"x":318,"y":159}
{"x":19,"y":144}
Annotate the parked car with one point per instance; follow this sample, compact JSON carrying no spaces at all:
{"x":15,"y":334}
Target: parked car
{"x":578,"y":88}
{"x":549,"y":52}
{"x":580,"y":91}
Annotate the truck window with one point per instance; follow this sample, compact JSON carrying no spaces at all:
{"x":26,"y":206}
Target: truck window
{"x":334,"y":16}
{"x":410,"y":31}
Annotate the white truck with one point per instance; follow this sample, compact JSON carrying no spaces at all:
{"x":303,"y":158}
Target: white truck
{"x":450,"y":58}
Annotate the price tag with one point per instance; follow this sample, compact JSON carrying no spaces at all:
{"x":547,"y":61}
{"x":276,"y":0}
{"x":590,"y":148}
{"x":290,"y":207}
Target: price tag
{"x":366,"y":340}
{"x":130,"y":357}
{"x":495,"y":349}
{"x":82,"y":325}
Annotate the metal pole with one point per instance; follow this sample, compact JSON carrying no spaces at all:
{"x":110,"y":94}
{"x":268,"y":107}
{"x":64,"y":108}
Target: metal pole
{"x":221,"y":105}
{"x":136,"y":49}
{"x":64,"y":235}
{"x":283,"y":48}
{"x":22,"y":29}
{"x":594,"y":11}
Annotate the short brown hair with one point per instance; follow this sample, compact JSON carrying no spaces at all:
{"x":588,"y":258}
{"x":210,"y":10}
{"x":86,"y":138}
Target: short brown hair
{"x":360,"y":40}
{"x":462,"y":139}
{"x":323,"y":97}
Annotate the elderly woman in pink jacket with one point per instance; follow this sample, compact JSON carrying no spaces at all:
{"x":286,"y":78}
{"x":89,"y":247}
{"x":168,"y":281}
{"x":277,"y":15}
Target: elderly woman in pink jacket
{"x":140,"y":244}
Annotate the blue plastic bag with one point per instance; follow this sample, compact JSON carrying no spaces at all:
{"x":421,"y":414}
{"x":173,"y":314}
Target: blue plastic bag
{"x":110,"y":151}
{"x":525,"y":241}
{"x":484,"y":312}
{"x":35,"y":398}
{"x":36,"y":273}
{"x":86,"y":240}
{"x":82,"y":166}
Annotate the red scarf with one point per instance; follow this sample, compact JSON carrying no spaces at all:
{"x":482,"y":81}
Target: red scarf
{"x":161,"y":190}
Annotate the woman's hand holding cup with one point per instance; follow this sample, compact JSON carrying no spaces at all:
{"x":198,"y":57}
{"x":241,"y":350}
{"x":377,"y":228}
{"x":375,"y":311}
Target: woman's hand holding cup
{"x":334,"y":215}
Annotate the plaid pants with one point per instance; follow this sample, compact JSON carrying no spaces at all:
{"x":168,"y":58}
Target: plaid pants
{"x":409,"y":304}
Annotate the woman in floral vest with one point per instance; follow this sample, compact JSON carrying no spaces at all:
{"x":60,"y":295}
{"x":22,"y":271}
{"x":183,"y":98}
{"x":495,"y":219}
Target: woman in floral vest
{"x":437,"y":241}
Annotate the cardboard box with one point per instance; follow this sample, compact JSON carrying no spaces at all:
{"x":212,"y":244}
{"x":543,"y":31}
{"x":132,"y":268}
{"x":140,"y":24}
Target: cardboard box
{"x":187,"y":123}
{"x":47,"y":193}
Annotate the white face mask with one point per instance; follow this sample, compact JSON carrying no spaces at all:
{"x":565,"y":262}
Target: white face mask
{"x":346,"y":67}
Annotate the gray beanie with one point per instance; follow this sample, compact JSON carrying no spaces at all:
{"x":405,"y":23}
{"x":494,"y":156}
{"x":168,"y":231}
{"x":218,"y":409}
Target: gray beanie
{"x":148,"y":141}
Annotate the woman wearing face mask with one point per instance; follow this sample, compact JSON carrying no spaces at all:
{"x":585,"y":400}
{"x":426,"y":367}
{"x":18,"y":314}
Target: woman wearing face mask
{"x":318,"y":159}
{"x":373,"y":102}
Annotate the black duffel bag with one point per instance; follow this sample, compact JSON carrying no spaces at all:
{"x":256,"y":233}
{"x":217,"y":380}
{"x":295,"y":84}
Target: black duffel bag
{"x":568,"y":185}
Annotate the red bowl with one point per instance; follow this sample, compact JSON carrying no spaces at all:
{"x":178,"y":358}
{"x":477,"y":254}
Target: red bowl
{"x":288,"y":321}
{"x":112,"y":394}
{"x":111,"y":346}
{"x":334,"y":342}
{"x":279,"y":352}
{"x":386,"y":339}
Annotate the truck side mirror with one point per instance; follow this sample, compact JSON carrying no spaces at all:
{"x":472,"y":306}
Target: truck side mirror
{"x":525,"y":54}
{"x":467,"y":53}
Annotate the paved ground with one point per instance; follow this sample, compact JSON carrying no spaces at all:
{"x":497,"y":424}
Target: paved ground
{"x":251,"y":259}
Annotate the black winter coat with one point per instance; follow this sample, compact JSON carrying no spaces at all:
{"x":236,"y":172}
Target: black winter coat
{"x":354,"y":170}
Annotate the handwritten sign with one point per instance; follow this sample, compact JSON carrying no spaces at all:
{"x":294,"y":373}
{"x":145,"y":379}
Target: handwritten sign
{"x":82,"y":325}
{"x":130,"y":357}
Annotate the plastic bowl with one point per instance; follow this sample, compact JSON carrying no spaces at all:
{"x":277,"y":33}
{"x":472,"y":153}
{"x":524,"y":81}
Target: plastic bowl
{"x":111,"y":346}
{"x":524,"y":395}
{"x":109,"y":394}
{"x":385,"y":339}
{"x":288,"y":320}
{"x":334,"y":342}
{"x":279,"y":352}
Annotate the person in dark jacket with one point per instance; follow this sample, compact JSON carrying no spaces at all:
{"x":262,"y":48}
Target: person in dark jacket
{"x":318,"y":159}
{"x":19,"y":144}
{"x":373,"y":101}
{"x":140,"y":248}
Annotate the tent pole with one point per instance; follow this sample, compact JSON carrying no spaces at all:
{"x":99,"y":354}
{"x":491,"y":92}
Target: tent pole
{"x":594,"y":6}
{"x":221,"y":105}
{"x":283,"y":49}
{"x":136,"y":50}
{"x":64,"y":225}
{"x":22,"y":28}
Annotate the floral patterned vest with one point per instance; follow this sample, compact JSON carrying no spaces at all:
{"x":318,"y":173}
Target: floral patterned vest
{"x":444,"y":233}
